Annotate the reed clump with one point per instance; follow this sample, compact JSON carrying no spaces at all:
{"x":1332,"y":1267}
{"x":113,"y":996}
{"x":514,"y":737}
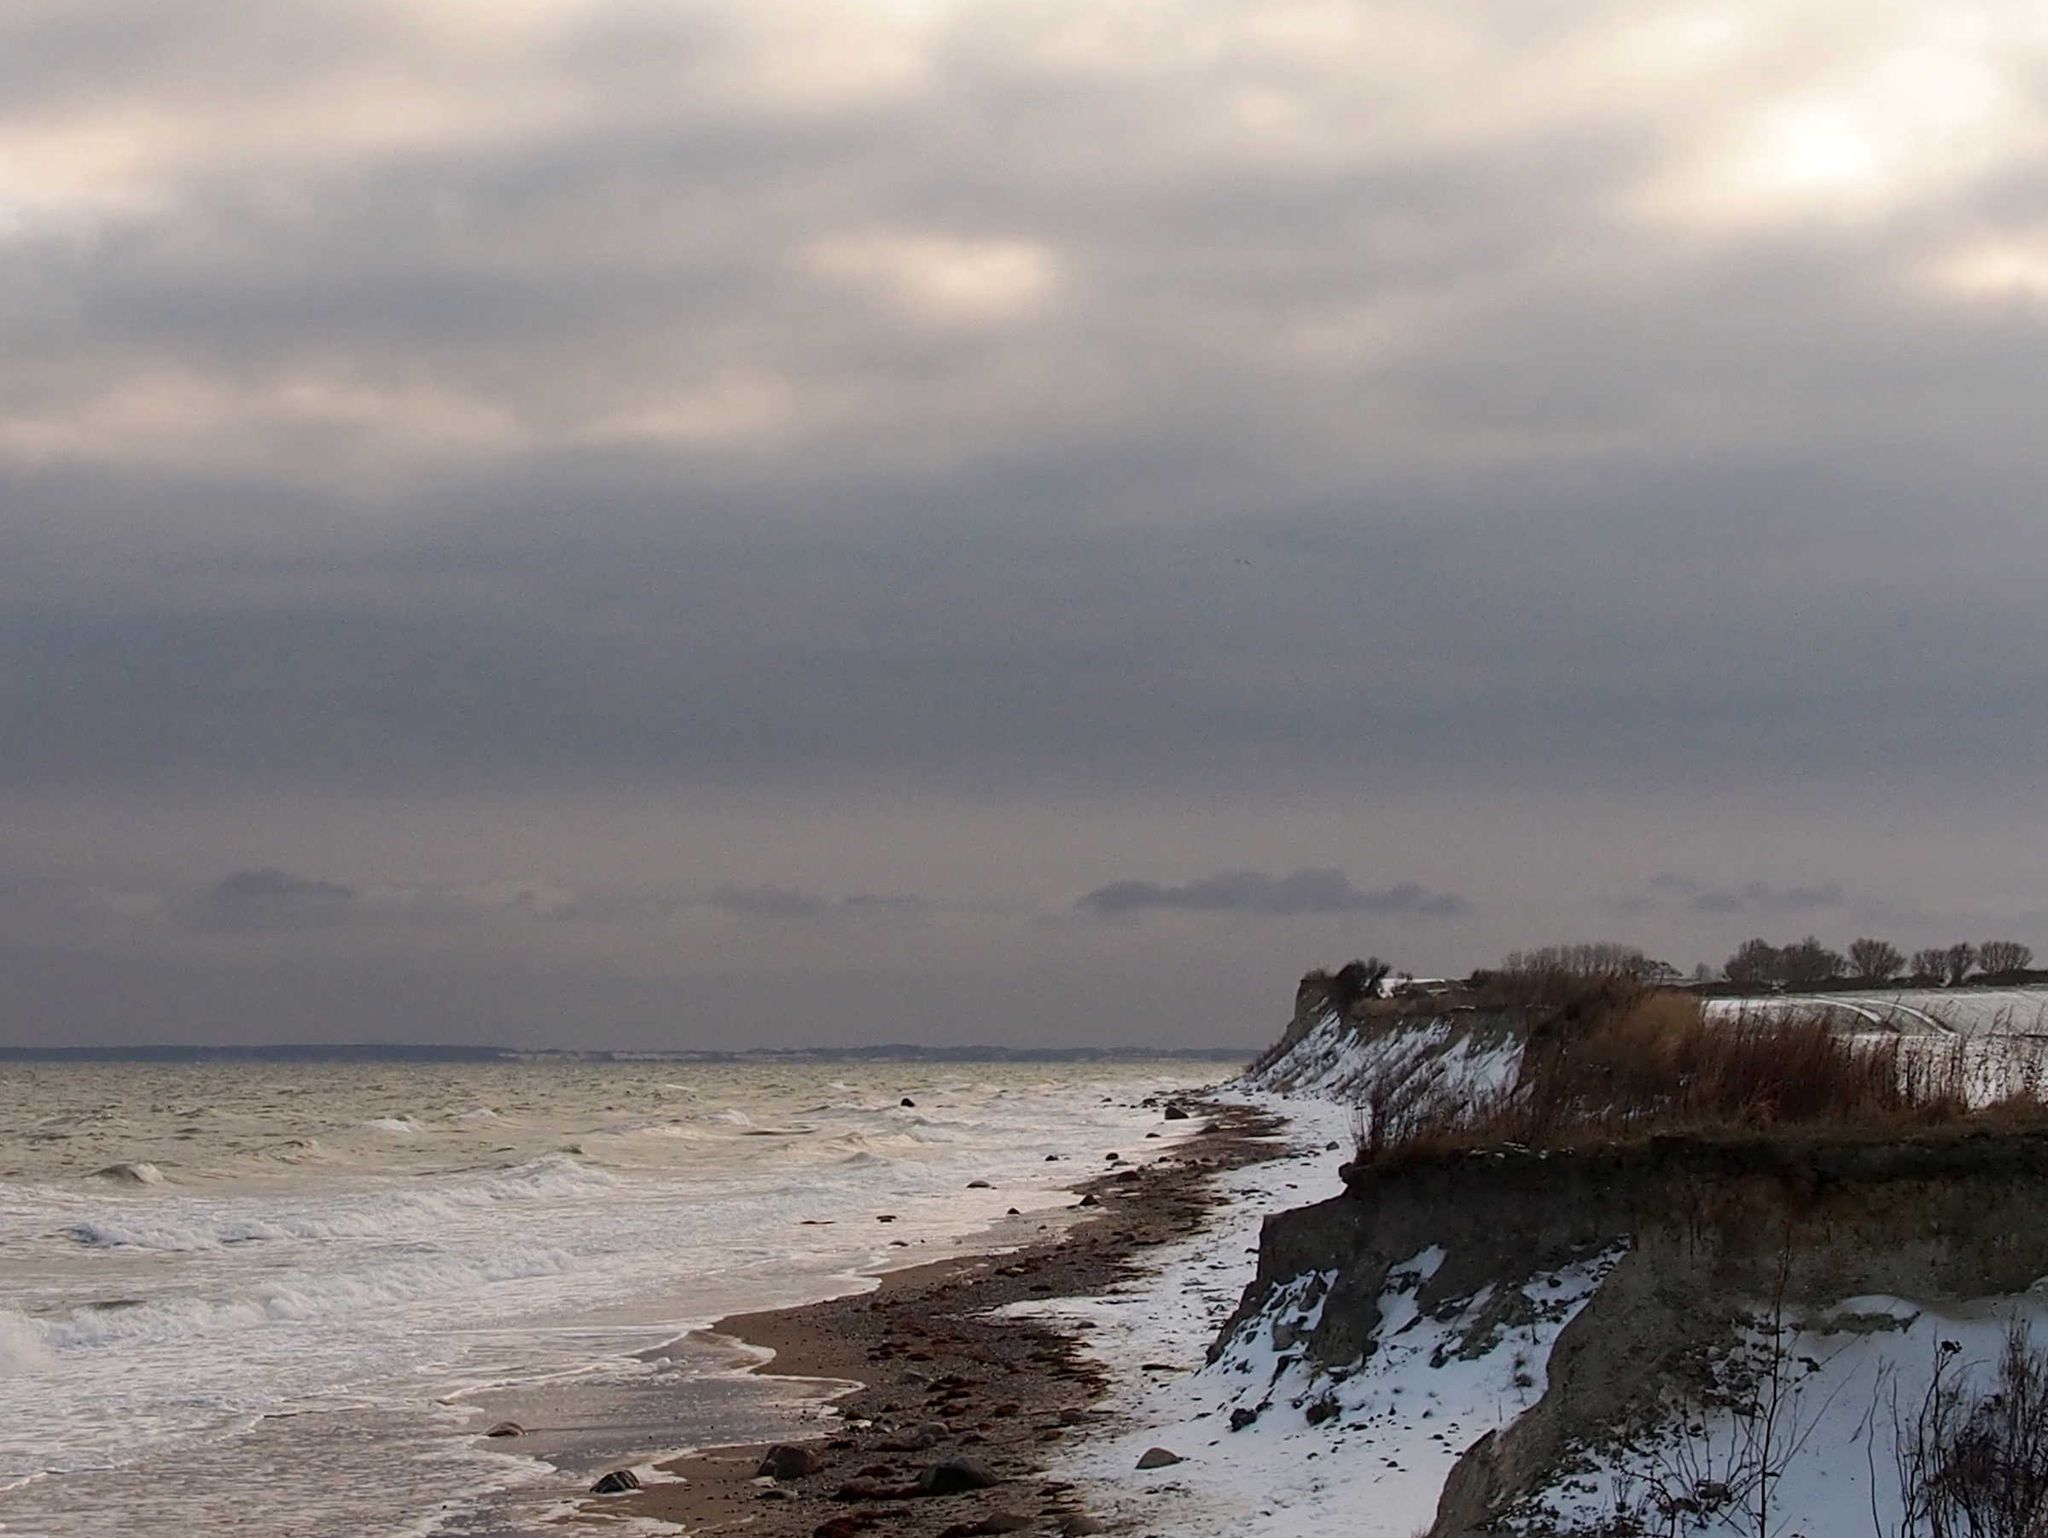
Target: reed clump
{"x":1609,"y":1059}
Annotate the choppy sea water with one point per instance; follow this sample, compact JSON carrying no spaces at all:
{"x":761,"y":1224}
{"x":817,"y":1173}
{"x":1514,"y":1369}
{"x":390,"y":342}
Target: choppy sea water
{"x":275,"y":1300}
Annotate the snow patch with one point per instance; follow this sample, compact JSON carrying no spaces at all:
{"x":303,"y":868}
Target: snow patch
{"x":1844,"y":1390}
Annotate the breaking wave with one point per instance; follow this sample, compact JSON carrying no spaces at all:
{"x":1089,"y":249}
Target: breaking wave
{"x":379,"y":1215}
{"x":140,"y":1173}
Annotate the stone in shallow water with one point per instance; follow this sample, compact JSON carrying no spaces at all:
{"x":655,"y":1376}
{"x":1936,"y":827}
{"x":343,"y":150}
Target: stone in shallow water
{"x":617,"y":1482}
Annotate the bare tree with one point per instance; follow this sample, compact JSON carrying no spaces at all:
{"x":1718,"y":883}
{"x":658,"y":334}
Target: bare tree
{"x":1809,"y":962}
{"x":1958,"y":959}
{"x":1873,"y":961}
{"x":1932,"y":963}
{"x":1596,"y":958}
{"x":1756,"y":963}
{"x":2001,"y":957}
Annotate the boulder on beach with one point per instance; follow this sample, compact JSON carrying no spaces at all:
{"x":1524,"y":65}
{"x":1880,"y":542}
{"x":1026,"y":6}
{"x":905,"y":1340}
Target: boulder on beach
{"x":979,"y":1185}
{"x":786,"y":1460}
{"x":506,"y":1429}
{"x":1175,"y":1113}
{"x":907,"y":1101}
{"x":1158,"y":1458}
{"x":617,"y":1482}
{"x":955,"y":1475}
{"x":916,"y":1439}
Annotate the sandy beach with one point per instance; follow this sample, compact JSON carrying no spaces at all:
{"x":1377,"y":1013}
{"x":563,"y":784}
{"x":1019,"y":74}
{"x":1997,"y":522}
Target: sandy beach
{"x":940,"y":1379}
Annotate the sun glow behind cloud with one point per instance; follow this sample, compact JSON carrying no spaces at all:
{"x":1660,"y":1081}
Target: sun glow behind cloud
{"x":1893,"y":118}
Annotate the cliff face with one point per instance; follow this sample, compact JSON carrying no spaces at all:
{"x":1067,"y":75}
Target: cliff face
{"x":1398,"y":1047}
{"x":1555,"y":1336}
{"x":1684,"y":1241}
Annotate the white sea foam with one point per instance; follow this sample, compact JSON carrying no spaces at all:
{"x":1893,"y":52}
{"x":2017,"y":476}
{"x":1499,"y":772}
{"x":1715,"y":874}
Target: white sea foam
{"x":22,"y":1348}
{"x":137,"y":1172}
{"x":356,"y":1241}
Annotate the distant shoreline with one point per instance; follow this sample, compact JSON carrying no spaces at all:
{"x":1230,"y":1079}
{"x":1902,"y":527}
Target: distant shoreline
{"x":407,"y":1052}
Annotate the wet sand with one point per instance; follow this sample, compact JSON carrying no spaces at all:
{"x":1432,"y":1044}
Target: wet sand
{"x":929,"y":1363}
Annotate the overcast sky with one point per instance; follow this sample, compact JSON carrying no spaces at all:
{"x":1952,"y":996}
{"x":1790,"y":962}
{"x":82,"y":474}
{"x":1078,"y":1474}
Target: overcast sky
{"x":714,"y":522}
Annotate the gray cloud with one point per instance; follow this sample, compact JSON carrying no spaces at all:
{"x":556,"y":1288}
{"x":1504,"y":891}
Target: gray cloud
{"x":774,"y":902}
{"x":1454,"y":421}
{"x":1753,"y":897}
{"x":1303,"y":892}
{"x":269,"y":899}
{"x":769,"y":902}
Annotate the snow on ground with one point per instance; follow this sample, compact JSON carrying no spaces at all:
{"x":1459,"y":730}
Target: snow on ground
{"x":1339,"y":1061}
{"x":1941,"y":1011}
{"x":1851,"y":1377}
{"x":1997,"y":1037}
{"x":1385,"y":1432}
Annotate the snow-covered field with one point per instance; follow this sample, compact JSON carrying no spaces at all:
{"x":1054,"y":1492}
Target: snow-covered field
{"x":1937,"y":1011}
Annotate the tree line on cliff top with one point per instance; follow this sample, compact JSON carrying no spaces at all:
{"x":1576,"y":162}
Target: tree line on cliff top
{"x":1757,"y":965}
{"x":1873,"y":963}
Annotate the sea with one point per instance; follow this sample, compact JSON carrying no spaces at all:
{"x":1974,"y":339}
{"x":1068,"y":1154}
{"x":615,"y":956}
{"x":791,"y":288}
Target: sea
{"x":285,"y":1299}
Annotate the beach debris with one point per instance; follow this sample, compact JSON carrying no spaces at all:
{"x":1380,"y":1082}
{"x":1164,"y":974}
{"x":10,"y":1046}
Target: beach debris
{"x":1158,"y":1458}
{"x":955,"y":1475}
{"x":786,"y":1460}
{"x":885,"y":1217}
{"x":617,"y":1482}
{"x":506,"y":1429}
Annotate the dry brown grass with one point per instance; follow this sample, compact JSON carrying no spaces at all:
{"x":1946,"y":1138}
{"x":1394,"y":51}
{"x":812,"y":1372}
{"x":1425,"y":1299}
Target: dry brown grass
{"x":1609,"y":1060}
